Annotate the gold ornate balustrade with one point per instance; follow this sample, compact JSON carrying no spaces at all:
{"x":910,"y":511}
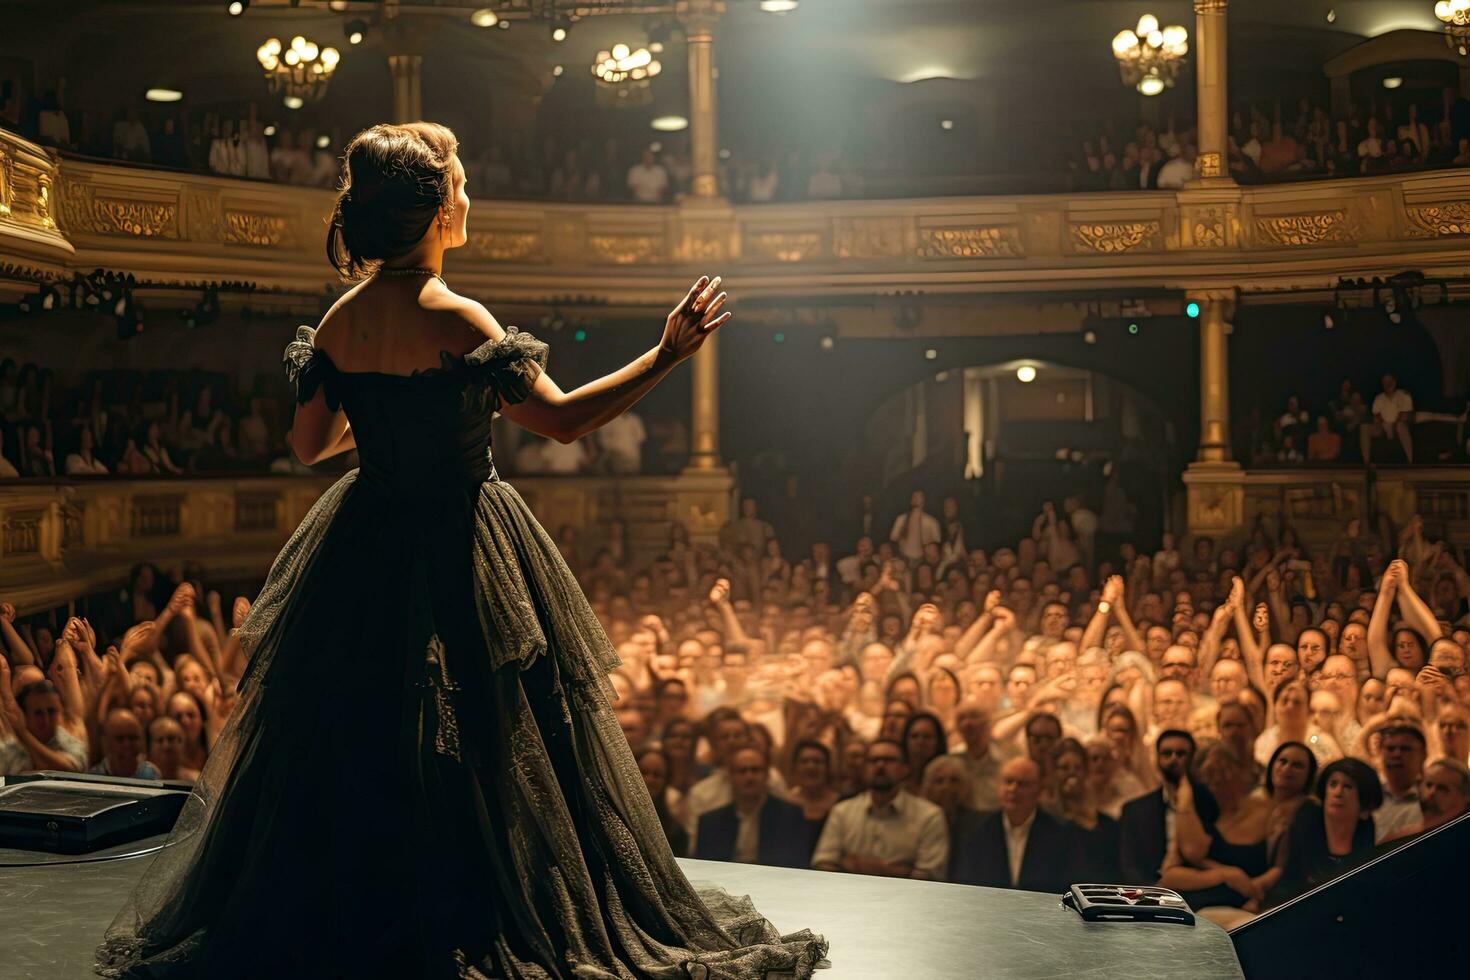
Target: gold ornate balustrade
{"x":61,"y":540}
{"x":57,"y":215}
{"x":1318,"y":503}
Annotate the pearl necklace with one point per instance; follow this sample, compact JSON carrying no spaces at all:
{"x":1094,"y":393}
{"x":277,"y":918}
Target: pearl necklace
{"x":415,"y":271}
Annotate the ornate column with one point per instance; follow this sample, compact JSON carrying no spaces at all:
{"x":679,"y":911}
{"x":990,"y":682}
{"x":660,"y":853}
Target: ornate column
{"x":1211,"y":91}
{"x":699,"y":18}
{"x":704,"y":432}
{"x":1214,"y":484}
{"x":408,"y":99}
{"x":1215,"y":309}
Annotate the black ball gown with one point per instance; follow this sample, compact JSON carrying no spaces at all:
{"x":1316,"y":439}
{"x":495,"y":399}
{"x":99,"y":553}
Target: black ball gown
{"x":423,"y":777}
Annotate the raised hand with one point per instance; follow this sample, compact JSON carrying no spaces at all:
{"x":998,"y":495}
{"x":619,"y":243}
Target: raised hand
{"x":1112,"y":592}
{"x":212,"y":602}
{"x":1237,"y":592}
{"x":992,"y":599}
{"x":181,"y":603}
{"x":1262,"y":619}
{"x":7,"y":612}
{"x":137,"y":640}
{"x":695,"y":318}
{"x":239,"y":611}
{"x":721,"y":591}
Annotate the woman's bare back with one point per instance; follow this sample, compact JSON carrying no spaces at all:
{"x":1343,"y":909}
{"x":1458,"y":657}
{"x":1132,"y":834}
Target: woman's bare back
{"x":400,"y":325}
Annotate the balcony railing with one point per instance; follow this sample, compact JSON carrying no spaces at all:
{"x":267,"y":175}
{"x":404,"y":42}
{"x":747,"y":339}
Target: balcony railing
{"x":60,"y":539}
{"x":60,"y":215}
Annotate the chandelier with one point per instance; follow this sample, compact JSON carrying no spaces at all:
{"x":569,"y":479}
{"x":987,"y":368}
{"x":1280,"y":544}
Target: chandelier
{"x":1149,"y":58}
{"x":623,"y":75}
{"x":300,"y":72}
{"x":1456,"y":17}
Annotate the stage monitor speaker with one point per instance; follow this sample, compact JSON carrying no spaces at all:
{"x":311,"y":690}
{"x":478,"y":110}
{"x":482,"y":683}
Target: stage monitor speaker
{"x":76,"y":813}
{"x":1400,"y":914}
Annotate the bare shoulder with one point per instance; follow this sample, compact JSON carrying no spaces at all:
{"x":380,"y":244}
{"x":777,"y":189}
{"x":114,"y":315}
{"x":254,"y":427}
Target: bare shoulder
{"x":336,"y":319}
{"x":460,"y":312}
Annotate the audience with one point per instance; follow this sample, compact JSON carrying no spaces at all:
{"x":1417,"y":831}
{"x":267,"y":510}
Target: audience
{"x":1235,"y":720}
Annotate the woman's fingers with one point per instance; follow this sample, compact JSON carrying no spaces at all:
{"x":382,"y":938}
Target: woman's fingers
{"x":714,"y":307}
{"x":716,"y":323}
{"x":694,"y":291}
{"x":709,"y":290}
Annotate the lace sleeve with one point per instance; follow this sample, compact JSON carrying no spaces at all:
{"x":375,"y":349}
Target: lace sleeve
{"x":308,"y":369}
{"x":505,"y":370}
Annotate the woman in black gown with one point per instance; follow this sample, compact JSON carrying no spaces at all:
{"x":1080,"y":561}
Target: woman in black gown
{"x":423,"y":777}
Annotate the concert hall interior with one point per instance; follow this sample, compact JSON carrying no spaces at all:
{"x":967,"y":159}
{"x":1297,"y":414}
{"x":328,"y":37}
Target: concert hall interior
{"x":1069,"y":484}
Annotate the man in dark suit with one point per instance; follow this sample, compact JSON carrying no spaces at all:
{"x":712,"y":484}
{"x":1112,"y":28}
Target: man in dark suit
{"x":1018,"y":846}
{"x":756,"y":828}
{"x":1144,"y":831}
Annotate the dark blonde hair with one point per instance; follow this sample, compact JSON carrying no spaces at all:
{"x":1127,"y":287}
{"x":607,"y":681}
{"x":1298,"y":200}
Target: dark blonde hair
{"x":395,"y":179}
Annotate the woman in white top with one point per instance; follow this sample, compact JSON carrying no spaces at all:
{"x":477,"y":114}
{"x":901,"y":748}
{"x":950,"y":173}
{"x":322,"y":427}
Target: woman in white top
{"x":82,"y":462}
{"x":156,"y":452}
{"x":226,"y":153}
{"x":1294,"y":724}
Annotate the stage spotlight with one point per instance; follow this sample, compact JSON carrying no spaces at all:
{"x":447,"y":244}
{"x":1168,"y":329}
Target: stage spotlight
{"x":930,"y":354}
{"x":559,"y":29}
{"x":1392,"y":82}
{"x":355,"y":30}
{"x":1191,"y":310}
{"x":270,"y":130}
{"x":293,"y":102}
{"x":338,"y":5}
{"x":1089,"y":337}
{"x":237,"y":7}
{"x":484,"y":17}
{"x":323,"y":141}
{"x":946,"y":124}
{"x":504,"y":25}
{"x":557,"y":71}
{"x":163,"y":95}
{"x":670,"y":124}
{"x":779,"y":6}
{"x":1025,"y":374}
{"x":828,"y":343}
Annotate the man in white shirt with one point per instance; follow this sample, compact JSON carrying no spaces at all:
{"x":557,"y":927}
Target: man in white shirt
{"x":914,"y":529}
{"x":130,"y":138}
{"x":1393,"y":409}
{"x":1179,"y":169}
{"x":885,"y":831}
{"x":622,"y":443}
{"x":973,"y":722}
{"x":1402,"y":749}
{"x":647,"y":181}
{"x":31,"y":734}
{"x":1019,"y":847}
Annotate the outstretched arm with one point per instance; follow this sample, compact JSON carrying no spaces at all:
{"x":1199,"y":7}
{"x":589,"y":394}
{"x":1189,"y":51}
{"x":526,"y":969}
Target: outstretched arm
{"x":1380,"y":654}
{"x":566,"y":415}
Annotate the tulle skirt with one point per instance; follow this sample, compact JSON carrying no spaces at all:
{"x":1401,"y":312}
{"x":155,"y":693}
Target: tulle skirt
{"x":423,"y":778}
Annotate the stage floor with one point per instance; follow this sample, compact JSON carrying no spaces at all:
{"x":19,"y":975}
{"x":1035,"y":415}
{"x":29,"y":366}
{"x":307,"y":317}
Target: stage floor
{"x":53,"y":911}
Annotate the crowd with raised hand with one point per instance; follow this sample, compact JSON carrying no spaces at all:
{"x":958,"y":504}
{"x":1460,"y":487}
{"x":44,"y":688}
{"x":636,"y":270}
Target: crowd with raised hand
{"x":1237,"y":722}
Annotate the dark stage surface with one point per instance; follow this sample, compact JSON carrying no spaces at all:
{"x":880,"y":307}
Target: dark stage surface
{"x":53,"y":910}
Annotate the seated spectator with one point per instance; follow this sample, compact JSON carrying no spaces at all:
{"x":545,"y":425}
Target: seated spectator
{"x":82,"y":462}
{"x":1371,"y":148}
{"x":1329,"y":838}
{"x":122,"y":748}
{"x":32,"y":730}
{"x":1292,"y":423}
{"x":1324,"y":445}
{"x":1179,"y":169}
{"x":1393,"y":410}
{"x":1077,"y":805}
{"x":654,"y":765}
{"x":1142,"y":828}
{"x":53,"y":129}
{"x":754,"y":828}
{"x":1444,"y":795}
{"x":1402,"y":749}
{"x":1020,"y":846}
{"x":1221,"y":861}
{"x":648,"y":181}
{"x":1281,"y":154}
{"x":825,"y":183}
{"x":166,"y":750}
{"x":621,"y":442}
{"x":885,"y":831}
{"x":130,"y":137}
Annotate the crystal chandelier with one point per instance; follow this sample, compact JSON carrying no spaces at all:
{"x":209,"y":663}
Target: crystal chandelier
{"x":623,"y":75}
{"x":300,"y":72}
{"x":1149,"y":58}
{"x":1456,"y":17}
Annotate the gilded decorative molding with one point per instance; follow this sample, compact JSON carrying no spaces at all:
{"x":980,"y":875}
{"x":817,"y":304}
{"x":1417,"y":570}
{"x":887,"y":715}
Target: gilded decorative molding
{"x":703,"y":245}
{"x":1208,"y":165}
{"x":505,"y":246}
{"x":1115,"y":237}
{"x":783,"y":246}
{"x":624,"y":249}
{"x":1437,"y":220}
{"x":1305,"y":229}
{"x":868,"y":238}
{"x":7,"y":182}
{"x":45,"y":214}
{"x":1210,"y":228}
{"x":981,"y":242}
{"x":85,"y":211}
{"x":1211,"y":6}
{"x":251,"y":228}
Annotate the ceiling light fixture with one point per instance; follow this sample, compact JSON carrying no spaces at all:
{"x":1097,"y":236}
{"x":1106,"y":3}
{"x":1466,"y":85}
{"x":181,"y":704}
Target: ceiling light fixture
{"x":1149,"y":57}
{"x":779,"y":6}
{"x":163,"y":95}
{"x":355,"y":30}
{"x":670,"y":124}
{"x":1025,"y":374}
{"x":237,"y":7}
{"x":484,"y":17}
